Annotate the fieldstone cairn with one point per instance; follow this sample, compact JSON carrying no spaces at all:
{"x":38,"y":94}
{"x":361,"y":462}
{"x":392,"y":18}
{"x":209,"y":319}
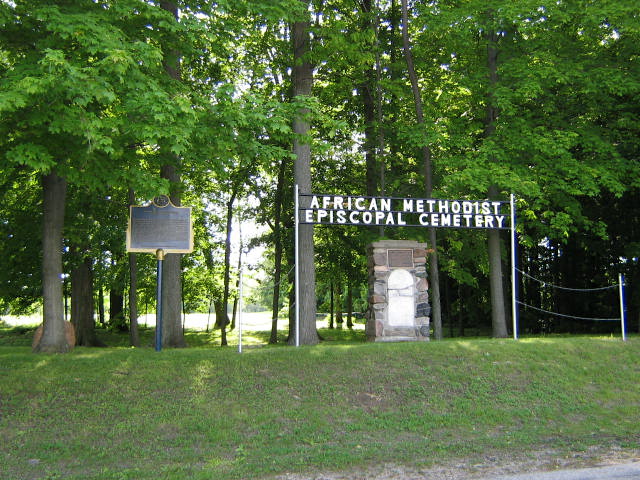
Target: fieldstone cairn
{"x":399,"y":307}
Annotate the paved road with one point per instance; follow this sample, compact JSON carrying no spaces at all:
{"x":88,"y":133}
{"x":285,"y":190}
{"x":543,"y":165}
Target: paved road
{"x":629,"y":471}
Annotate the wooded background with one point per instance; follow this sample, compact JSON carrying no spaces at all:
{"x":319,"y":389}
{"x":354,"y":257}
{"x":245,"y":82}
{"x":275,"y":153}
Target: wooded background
{"x":223,"y":105}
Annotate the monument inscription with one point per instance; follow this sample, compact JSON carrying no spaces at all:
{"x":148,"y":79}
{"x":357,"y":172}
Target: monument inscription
{"x":400,"y":258}
{"x":160,"y":225}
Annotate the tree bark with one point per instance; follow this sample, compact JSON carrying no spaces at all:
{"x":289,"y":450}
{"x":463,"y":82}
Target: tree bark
{"x":116,"y":310}
{"x":302,"y":75}
{"x":53,"y":339}
{"x":370,"y":143}
{"x":350,"y":305}
{"x":338,"y":304}
{"x":434,"y":270}
{"x":227,"y":267}
{"x":172,"y":331}
{"x":332,"y":303}
{"x":278,"y":251}
{"x":366,"y":90}
{"x":101,"y":317}
{"x":236,"y":297}
{"x":134,"y":336}
{"x":82,"y":309}
{"x":222,"y":317}
{"x":498,"y":318}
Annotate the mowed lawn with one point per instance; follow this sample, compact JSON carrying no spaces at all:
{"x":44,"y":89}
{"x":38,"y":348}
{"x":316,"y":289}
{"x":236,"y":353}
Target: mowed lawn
{"x":208,"y":412}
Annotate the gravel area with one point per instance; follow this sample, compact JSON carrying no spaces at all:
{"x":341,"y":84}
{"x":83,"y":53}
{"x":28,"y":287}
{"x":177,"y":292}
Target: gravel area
{"x":486,"y":468}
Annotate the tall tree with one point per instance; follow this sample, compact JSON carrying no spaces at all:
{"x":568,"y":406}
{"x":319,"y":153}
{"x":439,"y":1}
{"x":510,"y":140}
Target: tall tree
{"x":82,"y":304}
{"x":302,"y":78}
{"x":172,"y":331}
{"x":278,"y":249}
{"x":134,"y":336}
{"x":79,"y":82}
{"x":224,"y":321}
{"x":498,"y":316}
{"x":428,"y":174}
{"x":83,"y":232}
{"x":53,"y":339}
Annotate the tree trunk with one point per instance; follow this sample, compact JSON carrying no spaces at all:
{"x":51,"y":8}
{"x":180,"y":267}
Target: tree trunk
{"x":208,"y":261}
{"x":172,"y":331}
{"x":366,"y":90}
{"x":234,"y":311}
{"x":498,"y":318}
{"x":331,"y":303}
{"x":278,"y":250}
{"x":53,"y":339}
{"x":82,"y":309}
{"x":209,"y":314}
{"x":116,"y":310}
{"x":350,"y":305}
{"x":101,"y":317}
{"x":227,"y":266}
{"x":134,"y":337}
{"x":371,"y":140}
{"x":302,"y":76}
{"x":222,"y":317}
{"x":434,"y":271}
{"x":65,"y":294}
{"x":338,"y":305}
{"x":236,"y":296}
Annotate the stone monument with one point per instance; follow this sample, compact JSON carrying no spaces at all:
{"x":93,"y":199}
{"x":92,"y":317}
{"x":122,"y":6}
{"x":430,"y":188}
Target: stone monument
{"x":398,"y":292}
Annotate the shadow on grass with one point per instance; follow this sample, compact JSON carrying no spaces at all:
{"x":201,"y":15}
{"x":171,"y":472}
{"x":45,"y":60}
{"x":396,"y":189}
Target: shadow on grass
{"x":22,"y":336}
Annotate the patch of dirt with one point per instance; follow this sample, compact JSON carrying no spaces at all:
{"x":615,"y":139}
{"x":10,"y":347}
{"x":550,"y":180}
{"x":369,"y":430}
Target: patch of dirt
{"x":486,"y":467}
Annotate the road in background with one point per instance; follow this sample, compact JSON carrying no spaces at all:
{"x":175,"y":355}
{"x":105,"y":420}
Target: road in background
{"x":629,"y":471}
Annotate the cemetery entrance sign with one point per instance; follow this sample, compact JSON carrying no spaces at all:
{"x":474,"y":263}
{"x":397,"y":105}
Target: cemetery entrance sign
{"x":402,"y":212}
{"x":330,"y":209}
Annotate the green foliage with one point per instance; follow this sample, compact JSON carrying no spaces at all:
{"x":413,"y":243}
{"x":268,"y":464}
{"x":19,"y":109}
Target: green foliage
{"x":84,"y":85}
{"x":84,"y":90}
{"x":20,"y":279}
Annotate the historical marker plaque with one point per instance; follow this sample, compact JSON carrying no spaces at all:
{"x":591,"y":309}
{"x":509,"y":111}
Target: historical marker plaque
{"x":400,"y":258}
{"x":160,"y":226}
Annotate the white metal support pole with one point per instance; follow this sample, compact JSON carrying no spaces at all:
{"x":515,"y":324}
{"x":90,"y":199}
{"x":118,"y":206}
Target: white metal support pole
{"x":514,"y":282}
{"x":240,"y":307}
{"x":622,"y":317}
{"x":297,"y":264}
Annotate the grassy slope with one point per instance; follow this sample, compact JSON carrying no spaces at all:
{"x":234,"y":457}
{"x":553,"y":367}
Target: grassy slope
{"x":205,"y":413}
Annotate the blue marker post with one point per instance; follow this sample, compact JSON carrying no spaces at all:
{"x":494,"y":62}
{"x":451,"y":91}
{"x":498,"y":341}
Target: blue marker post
{"x":160,"y":257}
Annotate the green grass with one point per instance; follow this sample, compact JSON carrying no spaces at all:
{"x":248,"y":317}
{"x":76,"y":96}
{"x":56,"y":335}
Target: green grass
{"x":205,"y":413}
